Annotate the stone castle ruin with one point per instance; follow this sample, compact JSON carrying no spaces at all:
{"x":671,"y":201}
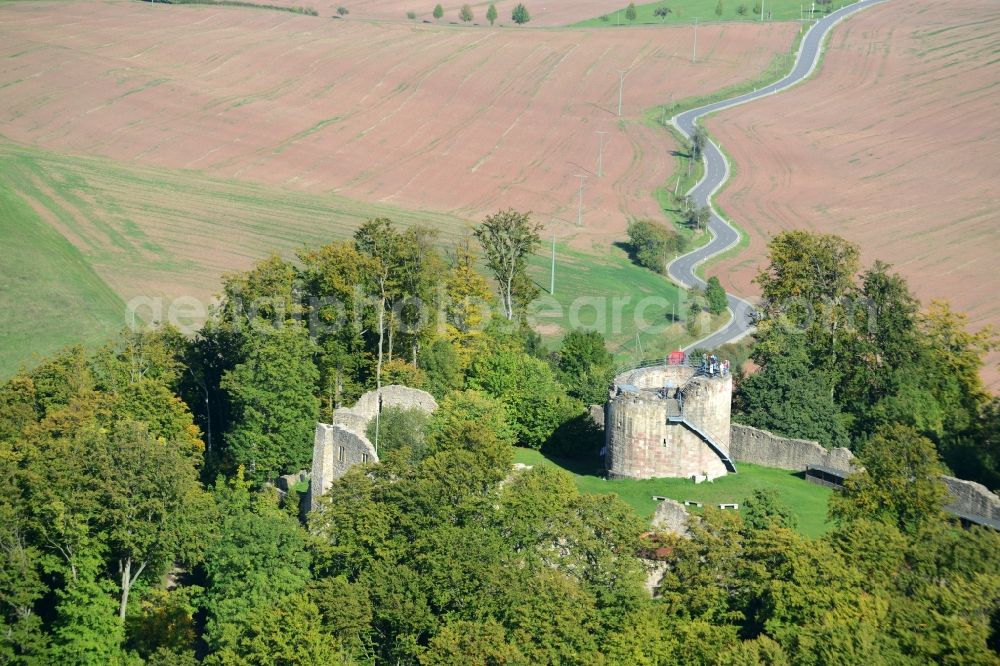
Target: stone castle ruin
{"x":340,"y":445}
{"x":669,"y":420}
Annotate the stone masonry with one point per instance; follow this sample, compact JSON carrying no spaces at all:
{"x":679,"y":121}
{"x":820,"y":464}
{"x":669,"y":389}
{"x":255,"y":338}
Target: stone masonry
{"x":760,"y":447}
{"x":340,"y":445}
{"x":641,"y":440}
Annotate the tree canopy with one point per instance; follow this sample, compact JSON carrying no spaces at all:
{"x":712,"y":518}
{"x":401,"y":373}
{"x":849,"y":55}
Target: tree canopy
{"x":140,"y":522}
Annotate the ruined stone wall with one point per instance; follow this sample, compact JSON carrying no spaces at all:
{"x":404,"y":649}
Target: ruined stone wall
{"x":340,"y":445}
{"x":335,"y":450}
{"x":760,"y":447}
{"x":972,"y":497}
{"x":393,"y":395}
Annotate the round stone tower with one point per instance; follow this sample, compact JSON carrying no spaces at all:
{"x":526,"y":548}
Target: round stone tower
{"x":669,"y":421}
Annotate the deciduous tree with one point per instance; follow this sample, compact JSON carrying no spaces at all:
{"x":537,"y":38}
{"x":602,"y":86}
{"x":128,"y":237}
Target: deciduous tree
{"x":716,"y":296}
{"x":275,"y":410}
{"x":900,"y":484}
{"x":536,"y":403}
{"x":507,"y":238}
{"x":585,"y":366}
{"x":787,"y":396}
{"x":653,"y":244}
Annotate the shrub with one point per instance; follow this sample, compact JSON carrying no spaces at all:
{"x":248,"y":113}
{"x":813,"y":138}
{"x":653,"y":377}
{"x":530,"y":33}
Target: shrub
{"x":343,"y":11}
{"x":438,"y":11}
{"x":630,"y":12}
{"x":465,"y":13}
{"x":716,"y":296}
{"x":652,"y":244}
{"x":411,"y":15}
{"x":741,"y":10}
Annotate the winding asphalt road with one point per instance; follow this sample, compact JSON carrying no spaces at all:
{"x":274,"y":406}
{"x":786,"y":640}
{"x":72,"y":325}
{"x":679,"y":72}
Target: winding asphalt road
{"x":682,"y":269}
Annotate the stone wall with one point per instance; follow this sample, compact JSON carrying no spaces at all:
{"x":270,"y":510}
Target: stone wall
{"x":335,"y":450}
{"x":671,"y":516}
{"x":972,"y":497}
{"x":760,"y":447}
{"x":340,"y":445}
{"x":393,"y":395}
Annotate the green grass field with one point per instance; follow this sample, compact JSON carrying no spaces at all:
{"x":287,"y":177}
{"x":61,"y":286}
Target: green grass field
{"x":806,"y":500}
{"x":50,"y":295}
{"x":81,"y":236}
{"x":642,"y":312}
{"x":137,"y":230}
{"x":685,"y":11}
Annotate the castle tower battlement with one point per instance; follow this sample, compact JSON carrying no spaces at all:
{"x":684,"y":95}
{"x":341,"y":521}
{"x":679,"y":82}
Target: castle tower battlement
{"x":669,"y":421}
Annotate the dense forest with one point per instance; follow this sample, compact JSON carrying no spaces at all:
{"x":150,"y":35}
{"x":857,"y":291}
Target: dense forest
{"x":138,"y":524}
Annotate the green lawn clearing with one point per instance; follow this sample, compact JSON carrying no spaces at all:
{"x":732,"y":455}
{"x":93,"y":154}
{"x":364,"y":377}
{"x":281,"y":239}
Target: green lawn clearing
{"x":806,"y":500}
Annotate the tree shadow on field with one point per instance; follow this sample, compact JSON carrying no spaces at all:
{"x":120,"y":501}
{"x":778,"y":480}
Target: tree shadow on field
{"x":628,"y":248}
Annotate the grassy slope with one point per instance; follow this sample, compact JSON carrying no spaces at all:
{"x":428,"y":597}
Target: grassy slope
{"x":685,"y":11}
{"x":808,"y":501}
{"x":131,"y":216}
{"x":602,"y":277}
{"x":50,"y":296}
{"x":141,"y":227}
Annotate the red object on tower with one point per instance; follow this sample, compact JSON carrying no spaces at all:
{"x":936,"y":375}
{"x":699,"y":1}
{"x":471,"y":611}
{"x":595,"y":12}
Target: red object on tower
{"x":676,"y":358}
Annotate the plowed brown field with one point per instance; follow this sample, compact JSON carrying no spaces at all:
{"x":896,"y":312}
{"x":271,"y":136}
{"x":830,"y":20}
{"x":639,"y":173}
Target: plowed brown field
{"x":454,"y":120}
{"x":893,"y":145}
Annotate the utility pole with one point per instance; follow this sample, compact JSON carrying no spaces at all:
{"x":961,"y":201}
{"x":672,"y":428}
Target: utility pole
{"x":694,"y":51}
{"x":621,"y":84}
{"x":761,"y":10}
{"x":552,"y":280}
{"x":600,"y":155}
{"x":579,"y":211}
